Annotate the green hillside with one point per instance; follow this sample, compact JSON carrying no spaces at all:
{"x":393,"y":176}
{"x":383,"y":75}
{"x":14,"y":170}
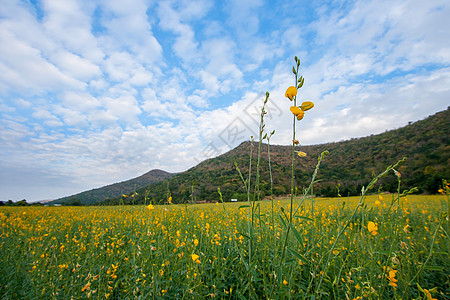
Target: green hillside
{"x":114,"y":190}
{"x":349,"y":165}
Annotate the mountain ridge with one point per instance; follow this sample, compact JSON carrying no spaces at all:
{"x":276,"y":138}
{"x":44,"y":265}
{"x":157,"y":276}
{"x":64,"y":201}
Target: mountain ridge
{"x":349,"y":165}
{"x":115,"y":189}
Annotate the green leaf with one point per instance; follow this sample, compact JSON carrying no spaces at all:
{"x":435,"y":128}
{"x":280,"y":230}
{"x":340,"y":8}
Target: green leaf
{"x":297,"y":235}
{"x":303,"y":218}
{"x":435,"y":268}
{"x":297,"y":255}
{"x":244,"y":206}
{"x":283,"y":222}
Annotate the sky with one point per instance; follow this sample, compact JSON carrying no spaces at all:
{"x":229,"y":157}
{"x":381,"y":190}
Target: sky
{"x":97,"y":92}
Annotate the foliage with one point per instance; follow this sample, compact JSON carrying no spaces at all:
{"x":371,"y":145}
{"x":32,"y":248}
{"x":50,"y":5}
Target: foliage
{"x":115,"y":190}
{"x":349,"y":165}
{"x":124,"y":252}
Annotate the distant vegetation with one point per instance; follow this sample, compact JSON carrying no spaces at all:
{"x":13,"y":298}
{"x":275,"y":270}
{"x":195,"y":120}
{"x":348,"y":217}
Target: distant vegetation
{"x":349,"y":165}
{"x":114,"y":190}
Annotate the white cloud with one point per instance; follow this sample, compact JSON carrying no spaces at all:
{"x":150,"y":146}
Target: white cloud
{"x":48,"y":118}
{"x":106,"y":91}
{"x":185,"y":45}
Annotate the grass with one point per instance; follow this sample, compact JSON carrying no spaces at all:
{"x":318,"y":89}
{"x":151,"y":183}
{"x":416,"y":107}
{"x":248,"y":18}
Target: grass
{"x":368,"y":247}
{"x":131,"y":252}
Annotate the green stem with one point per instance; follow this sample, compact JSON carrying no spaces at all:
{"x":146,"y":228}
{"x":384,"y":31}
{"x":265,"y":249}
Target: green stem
{"x":360,"y":203}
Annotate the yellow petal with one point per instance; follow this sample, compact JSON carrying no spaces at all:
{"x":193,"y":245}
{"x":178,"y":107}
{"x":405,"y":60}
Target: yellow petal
{"x":194,"y":257}
{"x":296,"y":110}
{"x":150,"y":207}
{"x":301,"y":154}
{"x":307,"y":105}
{"x":371,"y":226}
{"x":300,"y":115}
{"x":291,"y":92}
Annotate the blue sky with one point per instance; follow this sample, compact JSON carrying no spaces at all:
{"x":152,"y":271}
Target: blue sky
{"x":97,"y":92}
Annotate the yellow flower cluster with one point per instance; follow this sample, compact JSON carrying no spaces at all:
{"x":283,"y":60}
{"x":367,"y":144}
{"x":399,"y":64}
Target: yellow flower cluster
{"x":373,"y":228}
{"x":298,"y":111}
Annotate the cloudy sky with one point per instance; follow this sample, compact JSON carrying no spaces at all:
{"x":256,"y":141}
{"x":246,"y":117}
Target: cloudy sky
{"x":96,"y":92}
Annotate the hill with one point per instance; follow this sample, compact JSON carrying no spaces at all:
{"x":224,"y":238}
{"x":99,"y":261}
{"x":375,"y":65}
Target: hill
{"x":115,"y":190}
{"x":349,"y":166}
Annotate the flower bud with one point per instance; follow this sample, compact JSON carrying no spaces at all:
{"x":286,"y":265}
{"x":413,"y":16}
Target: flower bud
{"x":295,"y":110}
{"x":307,"y":105}
{"x":291,"y":92}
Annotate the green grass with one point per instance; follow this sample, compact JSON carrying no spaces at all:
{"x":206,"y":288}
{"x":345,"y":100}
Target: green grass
{"x":132,"y":252}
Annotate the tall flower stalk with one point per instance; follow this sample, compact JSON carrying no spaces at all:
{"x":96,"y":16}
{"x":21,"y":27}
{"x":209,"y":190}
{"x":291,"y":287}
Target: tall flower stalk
{"x":299,"y":113}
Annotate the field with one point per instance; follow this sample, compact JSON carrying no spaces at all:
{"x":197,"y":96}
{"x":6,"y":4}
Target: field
{"x":389,"y":247}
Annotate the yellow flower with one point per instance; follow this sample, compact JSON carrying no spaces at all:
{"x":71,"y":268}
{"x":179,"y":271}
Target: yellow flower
{"x":407,"y":229}
{"x":296,"y":110}
{"x":377,"y":203}
{"x":372,"y":227}
{"x":170,"y":199}
{"x":196,"y":242}
{"x":285,"y":282}
{"x":307,"y":105}
{"x":295,"y":142}
{"x":300,"y":115}
{"x":195,"y":258}
{"x":291,"y":92}
{"x":428,"y":294}
{"x":392,"y":279}
{"x":301,"y":154}
{"x":86,"y":287}
{"x":150,"y":207}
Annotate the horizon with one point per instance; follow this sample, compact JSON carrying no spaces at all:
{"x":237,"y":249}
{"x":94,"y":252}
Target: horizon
{"x":94,"y":93}
{"x":255,"y":141}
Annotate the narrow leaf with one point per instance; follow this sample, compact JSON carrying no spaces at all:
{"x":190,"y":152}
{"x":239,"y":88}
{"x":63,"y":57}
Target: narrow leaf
{"x":283,"y":222}
{"x":297,"y":235}
{"x":304,"y":218}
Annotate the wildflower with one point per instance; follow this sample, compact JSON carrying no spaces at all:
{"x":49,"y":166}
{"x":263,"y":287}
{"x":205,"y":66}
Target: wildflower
{"x":392,"y":279}
{"x":301,"y":154}
{"x":428,"y":294}
{"x":196,"y":242}
{"x":291,"y":92}
{"x":195,"y":258}
{"x":295,"y":142}
{"x":307,"y":105}
{"x":87,"y":286}
{"x":296,"y":110}
{"x":377,"y":203}
{"x":150,"y":207}
{"x":285,"y":282}
{"x":407,"y":229}
{"x":372,"y":227}
{"x":170,"y":199}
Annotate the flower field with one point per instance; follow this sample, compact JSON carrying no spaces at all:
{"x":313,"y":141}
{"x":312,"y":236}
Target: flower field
{"x":391,"y":248}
